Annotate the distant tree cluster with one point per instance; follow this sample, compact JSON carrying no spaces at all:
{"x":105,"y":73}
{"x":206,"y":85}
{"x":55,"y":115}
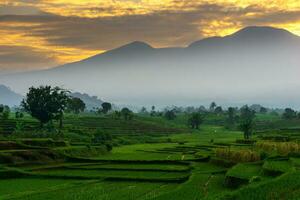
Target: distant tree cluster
{"x":290,"y":114}
{"x":170,"y":114}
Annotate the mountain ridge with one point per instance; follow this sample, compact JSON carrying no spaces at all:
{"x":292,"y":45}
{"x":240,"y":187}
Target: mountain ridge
{"x":141,"y":73}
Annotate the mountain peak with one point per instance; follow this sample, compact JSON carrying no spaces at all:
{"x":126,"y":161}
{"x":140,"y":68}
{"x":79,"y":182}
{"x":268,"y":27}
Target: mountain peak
{"x":249,"y":35}
{"x":261,"y":32}
{"x":132,"y":48}
{"x":136,"y":45}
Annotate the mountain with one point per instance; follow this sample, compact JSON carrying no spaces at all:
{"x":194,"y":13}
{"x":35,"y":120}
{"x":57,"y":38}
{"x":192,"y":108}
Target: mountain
{"x":9,"y":97}
{"x":255,"y":64}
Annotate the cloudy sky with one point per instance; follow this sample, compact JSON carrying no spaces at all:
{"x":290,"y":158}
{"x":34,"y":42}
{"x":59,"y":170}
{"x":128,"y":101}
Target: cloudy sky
{"x":38,"y":34}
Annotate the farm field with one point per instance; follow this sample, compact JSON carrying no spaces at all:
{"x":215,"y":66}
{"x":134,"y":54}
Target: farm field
{"x":158,"y":161}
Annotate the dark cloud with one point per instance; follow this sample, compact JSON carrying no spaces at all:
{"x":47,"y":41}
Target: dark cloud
{"x":15,"y":58}
{"x":19,"y":10}
{"x":169,"y":27}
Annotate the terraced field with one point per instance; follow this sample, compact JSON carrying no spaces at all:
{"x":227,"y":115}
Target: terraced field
{"x":191,"y":169}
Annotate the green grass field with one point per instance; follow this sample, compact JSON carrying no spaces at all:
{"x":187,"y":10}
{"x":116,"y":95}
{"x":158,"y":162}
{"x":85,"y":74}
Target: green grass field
{"x":152,"y":158}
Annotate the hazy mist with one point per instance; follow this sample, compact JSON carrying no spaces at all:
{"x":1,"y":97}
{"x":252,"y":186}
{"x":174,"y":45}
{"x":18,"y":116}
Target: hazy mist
{"x":254,"y":65}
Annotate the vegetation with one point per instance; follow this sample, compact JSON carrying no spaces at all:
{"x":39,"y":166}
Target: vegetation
{"x":180,"y":153}
{"x":46,"y":103}
{"x":195,"y":120}
{"x":247,"y":121}
{"x":76,"y":105}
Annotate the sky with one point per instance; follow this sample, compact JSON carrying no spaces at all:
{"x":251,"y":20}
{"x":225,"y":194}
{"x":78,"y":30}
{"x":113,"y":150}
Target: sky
{"x":39,"y":34}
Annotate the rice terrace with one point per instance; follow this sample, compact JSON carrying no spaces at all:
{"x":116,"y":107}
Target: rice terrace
{"x":149,"y":157}
{"x":149,"y":100}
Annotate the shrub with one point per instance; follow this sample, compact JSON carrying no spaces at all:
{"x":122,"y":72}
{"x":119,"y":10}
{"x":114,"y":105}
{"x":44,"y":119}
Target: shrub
{"x":109,"y":147}
{"x":101,"y":137}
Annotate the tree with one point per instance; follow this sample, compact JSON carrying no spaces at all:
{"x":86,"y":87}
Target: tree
{"x":19,"y":115}
{"x":46,"y":103}
{"x":152,"y":113}
{"x":143,"y":110}
{"x":231,"y":117}
{"x":202,"y":109}
{"x":219,"y":110}
{"x":4,"y":112}
{"x":106,"y":107}
{"x":195,"y":120}
{"x":289,"y":114}
{"x":170,"y":115}
{"x":76,"y":105}
{"x":127,"y":114}
{"x":247,"y":121}
{"x":101,"y":137}
{"x":212,"y":106}
{"x":263,"y":110}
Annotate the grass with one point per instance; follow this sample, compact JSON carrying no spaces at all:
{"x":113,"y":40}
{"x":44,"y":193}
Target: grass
{"x":106,"y":190}
{"x":274,"y":167}
{"x":286,"y":186}
{"x":245,"y":171}
{"x":152,"y":158}
{"x":11,"y":187}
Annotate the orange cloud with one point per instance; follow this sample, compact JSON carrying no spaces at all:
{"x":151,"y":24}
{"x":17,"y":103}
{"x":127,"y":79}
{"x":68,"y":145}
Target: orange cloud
{"x":81,"y":28}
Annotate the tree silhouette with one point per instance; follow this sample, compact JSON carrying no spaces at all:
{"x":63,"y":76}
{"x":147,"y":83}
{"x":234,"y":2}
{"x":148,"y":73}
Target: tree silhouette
{"x":106,"y":107}
{"x":195,"y":120}
{"x":46,"y":103}
{"x":76,"y":105}
{"x":247,"y":121}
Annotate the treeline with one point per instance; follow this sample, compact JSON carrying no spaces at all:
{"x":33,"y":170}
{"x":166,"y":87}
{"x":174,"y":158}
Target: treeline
{"x":48,"y":104}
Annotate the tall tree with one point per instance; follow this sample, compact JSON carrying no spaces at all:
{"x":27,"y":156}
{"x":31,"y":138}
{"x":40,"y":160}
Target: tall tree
{"x":247,"y":121}
{"x":195,"y":120}
{"x":153,"y":113}
{"x":4,"y":112}
{"x":231,"y":116}
{"x":212,"y":106}
{"x":106,"y":107}
{"x":126,"y":113}
{"x":219,"y":110}
{"x":76,"y":105}
{"x":46,"y":103}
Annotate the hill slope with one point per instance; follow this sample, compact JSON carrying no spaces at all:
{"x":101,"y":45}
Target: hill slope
{"x":255,"y":64}
{"x":9,"y":97}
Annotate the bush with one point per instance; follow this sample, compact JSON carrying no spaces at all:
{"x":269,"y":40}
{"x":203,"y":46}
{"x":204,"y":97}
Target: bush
{"x":109,"y":147}
{"x":101,"y":137}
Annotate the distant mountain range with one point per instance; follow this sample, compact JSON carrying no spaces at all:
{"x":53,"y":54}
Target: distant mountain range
{"x":9,"y":97}
{"x":12,"y":99}
{"x":255,"y":64}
